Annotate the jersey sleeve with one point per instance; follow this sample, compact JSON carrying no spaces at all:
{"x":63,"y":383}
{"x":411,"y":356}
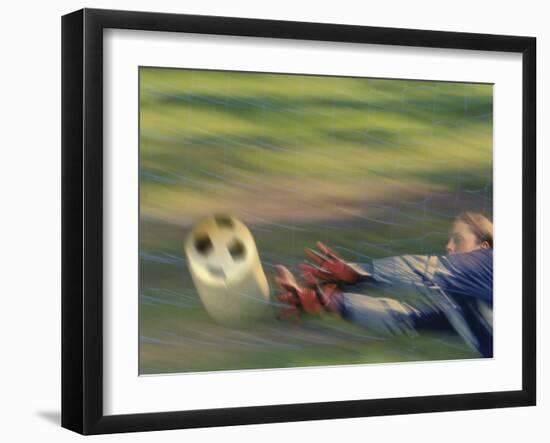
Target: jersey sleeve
{"x":467,"y":275}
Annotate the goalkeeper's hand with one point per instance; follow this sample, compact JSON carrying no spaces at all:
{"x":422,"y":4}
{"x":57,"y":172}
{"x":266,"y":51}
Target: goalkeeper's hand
{"x":311,"y":299}
{"x":328,"y":266}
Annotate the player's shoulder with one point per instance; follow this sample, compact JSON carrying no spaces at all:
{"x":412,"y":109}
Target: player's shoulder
{"x":477,"y":258}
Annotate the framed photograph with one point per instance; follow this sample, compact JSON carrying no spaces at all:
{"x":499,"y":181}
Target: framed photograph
{"x":269,"y":221}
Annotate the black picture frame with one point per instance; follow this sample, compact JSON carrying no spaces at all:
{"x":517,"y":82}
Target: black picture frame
{"x":82,"y":220}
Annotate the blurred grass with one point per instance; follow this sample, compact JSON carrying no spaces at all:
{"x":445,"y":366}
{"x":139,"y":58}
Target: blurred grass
{"x":372,"y":167}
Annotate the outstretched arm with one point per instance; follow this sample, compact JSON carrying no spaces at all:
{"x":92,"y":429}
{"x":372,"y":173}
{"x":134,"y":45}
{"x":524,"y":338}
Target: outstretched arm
{"x":467,"y":275}
{"x":461,"y":275}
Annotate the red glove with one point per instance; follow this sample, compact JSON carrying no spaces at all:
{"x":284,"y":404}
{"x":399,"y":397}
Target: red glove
{"x":295,"y":296}
{"x":331,"y":297}
{"x":312,"y":300}
{"x":330,"y":267}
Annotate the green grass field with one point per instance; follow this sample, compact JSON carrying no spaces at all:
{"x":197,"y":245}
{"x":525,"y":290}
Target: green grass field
{"x":371,"y":167}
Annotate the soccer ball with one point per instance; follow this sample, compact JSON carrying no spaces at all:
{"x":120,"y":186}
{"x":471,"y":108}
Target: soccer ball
{"x":225,"y":267}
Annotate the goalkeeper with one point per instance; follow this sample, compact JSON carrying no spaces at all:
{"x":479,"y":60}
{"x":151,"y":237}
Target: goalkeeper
{"x":453,"y":291}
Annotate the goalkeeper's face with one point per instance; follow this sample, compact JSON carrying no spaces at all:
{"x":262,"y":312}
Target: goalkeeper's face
{"x":463,"y":239}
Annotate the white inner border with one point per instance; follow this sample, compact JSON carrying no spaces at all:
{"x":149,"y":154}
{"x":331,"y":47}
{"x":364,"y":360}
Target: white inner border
{"x":125,"y":392}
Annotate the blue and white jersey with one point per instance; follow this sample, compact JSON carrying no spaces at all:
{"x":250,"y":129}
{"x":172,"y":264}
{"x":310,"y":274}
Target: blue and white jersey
{"x":451,"y":291}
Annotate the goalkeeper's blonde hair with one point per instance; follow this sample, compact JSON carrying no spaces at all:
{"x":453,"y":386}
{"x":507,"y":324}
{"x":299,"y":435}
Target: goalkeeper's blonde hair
{"x":480,"y":225}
